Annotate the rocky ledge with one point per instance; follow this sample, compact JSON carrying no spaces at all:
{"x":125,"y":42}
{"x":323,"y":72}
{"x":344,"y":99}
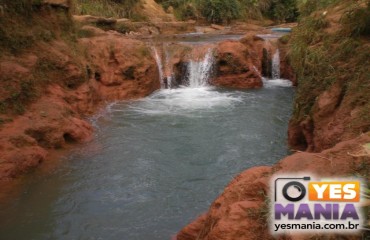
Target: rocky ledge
{"x":241,"y":211}
{"x":113,"y":68}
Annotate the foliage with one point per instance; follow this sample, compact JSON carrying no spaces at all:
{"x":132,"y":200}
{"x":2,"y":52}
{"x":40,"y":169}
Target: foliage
{"x":107,"y":8}
{"x":321,"y":58}
{"x":306,"y":7}
{"x":172,"y":3}
{"x":24,"y":26}
{"x":224,"y":11}
{"x":219,"y":11}
{"x":283,"y":11}
{"x":356,"y":20}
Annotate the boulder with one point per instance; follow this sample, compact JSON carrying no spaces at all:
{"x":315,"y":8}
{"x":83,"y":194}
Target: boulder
{"x":88,"y":19}
{"x":235,"y":67}
{"x":217,"y":27}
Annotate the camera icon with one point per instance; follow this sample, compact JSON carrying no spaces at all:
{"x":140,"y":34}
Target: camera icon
{"x":290,"y":189}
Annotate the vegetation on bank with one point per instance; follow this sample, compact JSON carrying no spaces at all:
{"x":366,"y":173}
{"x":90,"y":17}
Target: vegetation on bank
{"x":33,"y":26}
{"x":324,"y":52}
{"x":214,"y":11}
{"x":109,"y":8}
{"x":223,"y":11}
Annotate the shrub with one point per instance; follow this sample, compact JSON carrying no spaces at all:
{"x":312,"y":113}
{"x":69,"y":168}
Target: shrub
{"x":219,"y":11}
{"x":283,"y":11}
{"x":356,"y":21}
{"x":106,"y":8}
{"x":306,"y":7}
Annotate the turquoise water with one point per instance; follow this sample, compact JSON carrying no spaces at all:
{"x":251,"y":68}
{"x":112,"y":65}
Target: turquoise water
{"x":154,"y":166}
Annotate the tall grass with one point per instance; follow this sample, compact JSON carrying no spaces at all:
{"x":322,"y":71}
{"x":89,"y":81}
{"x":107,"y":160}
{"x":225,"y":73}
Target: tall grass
{"x":225,"y":10}
{"x":106,"y":8}
{"x":28,"y":26}
{"x":321,"y":58}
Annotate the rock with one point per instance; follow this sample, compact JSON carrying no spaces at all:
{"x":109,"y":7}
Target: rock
{"x":148,"y":31}
{"x":208,"y":30}
{"x":250,"y":28}
{"x":13,"y":73}
{"x":170,"y":10}
{"x":217,"y":27}
{"x":232,"y":215}
{"x":154,"y":12}
{"x":123,"y":20}
{"x":1,"y":11}
{"x":175,"y":27}
{"x":88,"y":19}
{"x":124,"y":67}
{"x":192,"y":230}
{"x":235,"y":67}
{"x":238,"y":213}
{"x":241,"y":81}
{"x":93,"y":31}
{"x":286,"y":70}
{"x":58,"y":3}
{"x":112,"y":68}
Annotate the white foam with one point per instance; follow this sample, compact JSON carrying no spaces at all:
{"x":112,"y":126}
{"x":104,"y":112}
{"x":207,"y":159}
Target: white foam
{"x":182,"y":101}
{"x":276,"y":65}
{"x":271,"y":83}
{"x":199,"y":72}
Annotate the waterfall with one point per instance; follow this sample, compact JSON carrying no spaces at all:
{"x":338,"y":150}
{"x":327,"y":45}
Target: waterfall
{"x":257,"y":71}
{"x":168,"y":67}
{"x":158,"y":60}
{"x":198,"y":68}
{"x":165,"y":70}
{"x":276,"y":65}
{"x":199,"y":72}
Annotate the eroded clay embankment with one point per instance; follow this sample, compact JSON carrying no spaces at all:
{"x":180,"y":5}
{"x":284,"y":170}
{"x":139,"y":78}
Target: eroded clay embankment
{"x":240,"y":212}
{"x":116,"y":68}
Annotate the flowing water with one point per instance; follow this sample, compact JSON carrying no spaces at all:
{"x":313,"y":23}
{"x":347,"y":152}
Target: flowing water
{"x":155,"y":163}
{"x":276,"y":65}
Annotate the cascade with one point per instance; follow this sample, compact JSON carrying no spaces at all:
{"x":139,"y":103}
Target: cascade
{"x":198,"y":72}
{"x":158,"y":60}
{"x":275,"y":69}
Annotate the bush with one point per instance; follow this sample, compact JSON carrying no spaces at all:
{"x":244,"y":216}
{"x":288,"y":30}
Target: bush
{"x":306,"y":7}
{"x":219,"y":11}
{"x":283,"y":11}
{"x":106,"y":8}
{"x":356,"y":21}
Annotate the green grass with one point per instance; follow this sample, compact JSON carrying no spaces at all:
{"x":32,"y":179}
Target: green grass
{"x":356,"y":21}
{"x":25,"y":23}
{"x":110,"y":8}
{"x":18,"y":98}
{"x":306,"y":7}
{"x":104,"y":8}
{"x":321,"y":59}
{"x":25,"y":26}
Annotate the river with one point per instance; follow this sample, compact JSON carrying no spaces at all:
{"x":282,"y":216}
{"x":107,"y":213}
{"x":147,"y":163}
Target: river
{"x":155,"y":164}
